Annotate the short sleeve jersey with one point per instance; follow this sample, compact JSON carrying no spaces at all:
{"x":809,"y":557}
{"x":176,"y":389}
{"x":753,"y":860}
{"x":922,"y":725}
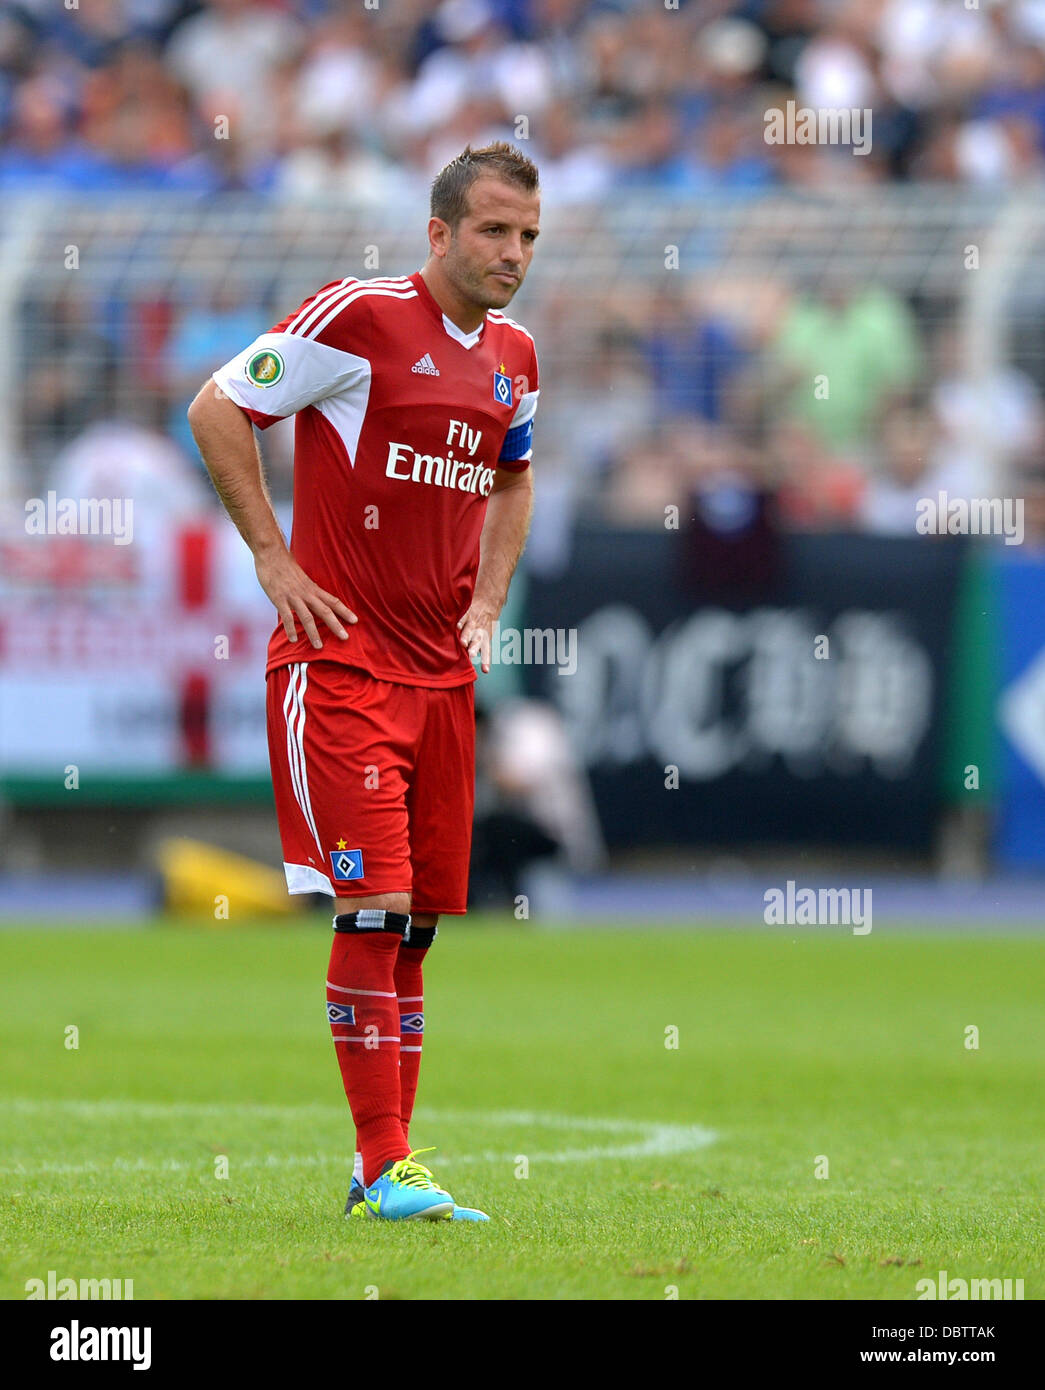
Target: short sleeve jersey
{"x":402,"y":420}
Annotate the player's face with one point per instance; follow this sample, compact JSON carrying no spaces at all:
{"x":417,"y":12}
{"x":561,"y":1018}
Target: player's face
{"x":490,"y":252}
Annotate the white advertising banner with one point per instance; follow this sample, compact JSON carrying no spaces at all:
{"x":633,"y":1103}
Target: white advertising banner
{"x":136,"y":662}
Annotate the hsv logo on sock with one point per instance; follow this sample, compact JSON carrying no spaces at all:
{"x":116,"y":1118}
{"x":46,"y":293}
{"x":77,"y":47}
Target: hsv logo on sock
{"x":410,"y":992}
{"x":363,"y":1009}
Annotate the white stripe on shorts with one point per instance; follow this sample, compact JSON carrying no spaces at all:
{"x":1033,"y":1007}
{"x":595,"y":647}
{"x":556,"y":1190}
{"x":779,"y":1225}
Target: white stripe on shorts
{"x":294,"y":712}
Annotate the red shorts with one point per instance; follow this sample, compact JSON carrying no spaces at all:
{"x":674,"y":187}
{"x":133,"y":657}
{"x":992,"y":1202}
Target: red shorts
{"x":374,"y":784}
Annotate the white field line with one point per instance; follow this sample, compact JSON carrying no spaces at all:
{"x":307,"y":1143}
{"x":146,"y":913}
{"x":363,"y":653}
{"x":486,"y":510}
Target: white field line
{"x":648,"y":1139}
{"x":174,"y":1110}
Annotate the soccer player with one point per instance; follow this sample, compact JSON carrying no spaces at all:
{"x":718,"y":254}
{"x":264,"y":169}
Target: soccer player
{"x":414,"y":399}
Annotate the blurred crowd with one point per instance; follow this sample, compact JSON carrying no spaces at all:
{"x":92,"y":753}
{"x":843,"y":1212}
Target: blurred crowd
{"x":704,"y":393}
{"x":735,"y":403}
{"x":298,"y":98}
{"x":834,"y":408}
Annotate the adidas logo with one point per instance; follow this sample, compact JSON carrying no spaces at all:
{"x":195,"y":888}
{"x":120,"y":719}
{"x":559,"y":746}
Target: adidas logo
{"x":425,"y":366}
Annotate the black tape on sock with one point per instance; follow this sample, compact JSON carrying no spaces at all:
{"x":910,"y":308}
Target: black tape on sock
{"x":372,"y":919}
{"x":419,"y":938}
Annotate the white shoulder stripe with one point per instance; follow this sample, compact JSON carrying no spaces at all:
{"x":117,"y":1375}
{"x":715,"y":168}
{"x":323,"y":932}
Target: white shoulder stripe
{"x":314,"y":310}
{"x":316,"y":304}
{"x":351,"y":298}
{"x":498,"y":317}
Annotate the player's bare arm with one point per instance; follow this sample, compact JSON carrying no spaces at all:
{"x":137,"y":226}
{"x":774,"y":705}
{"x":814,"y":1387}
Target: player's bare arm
{"x":506,"y":525}
{"x":227,"y":445}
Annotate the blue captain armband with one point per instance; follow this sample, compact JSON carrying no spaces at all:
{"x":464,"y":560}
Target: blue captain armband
{"x":517,"y":443}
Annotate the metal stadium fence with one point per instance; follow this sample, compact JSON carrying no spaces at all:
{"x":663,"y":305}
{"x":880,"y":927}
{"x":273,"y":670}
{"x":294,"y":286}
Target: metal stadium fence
{"x":85,"y":279}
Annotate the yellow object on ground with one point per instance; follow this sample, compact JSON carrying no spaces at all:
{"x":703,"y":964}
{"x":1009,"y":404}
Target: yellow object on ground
{"x":200,"y":878}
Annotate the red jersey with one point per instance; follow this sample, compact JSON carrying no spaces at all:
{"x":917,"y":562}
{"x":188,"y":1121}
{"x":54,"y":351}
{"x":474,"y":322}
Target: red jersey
{"x":402,"y":421}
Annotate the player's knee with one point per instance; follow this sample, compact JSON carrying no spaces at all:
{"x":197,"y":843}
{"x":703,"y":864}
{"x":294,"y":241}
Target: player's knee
{"x":421,"y":932}
{"x":382,"y":902}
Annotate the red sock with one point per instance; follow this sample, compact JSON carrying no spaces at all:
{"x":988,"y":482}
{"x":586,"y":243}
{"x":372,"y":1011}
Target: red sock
{"x":410,"y":991}
{"x":364,"y":1020}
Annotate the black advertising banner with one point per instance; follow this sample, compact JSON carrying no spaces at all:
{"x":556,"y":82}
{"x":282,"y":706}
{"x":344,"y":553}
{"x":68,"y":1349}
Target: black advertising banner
{"x":806,"y":709}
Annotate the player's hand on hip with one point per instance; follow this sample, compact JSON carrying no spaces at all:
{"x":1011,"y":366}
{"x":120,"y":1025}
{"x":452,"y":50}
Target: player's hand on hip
{"x":294,"y":595}
{"x":476,"y":632}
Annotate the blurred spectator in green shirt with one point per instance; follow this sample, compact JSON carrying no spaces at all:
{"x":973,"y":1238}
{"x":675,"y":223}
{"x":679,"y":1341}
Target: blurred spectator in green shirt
{"x":838,"y":359}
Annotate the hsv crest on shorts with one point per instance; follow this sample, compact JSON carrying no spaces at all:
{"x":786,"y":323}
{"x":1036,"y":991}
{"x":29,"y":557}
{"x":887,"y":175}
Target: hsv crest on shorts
{"x":346,"y":863}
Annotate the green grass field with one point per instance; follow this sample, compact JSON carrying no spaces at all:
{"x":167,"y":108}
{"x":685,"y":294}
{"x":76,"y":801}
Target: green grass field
{"x":650,"y":1168}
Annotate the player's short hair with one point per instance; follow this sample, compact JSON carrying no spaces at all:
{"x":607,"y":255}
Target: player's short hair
{"x":500,"y":160}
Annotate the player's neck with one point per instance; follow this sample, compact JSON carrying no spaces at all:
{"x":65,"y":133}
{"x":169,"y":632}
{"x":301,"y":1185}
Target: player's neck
{"x":462,"y":312}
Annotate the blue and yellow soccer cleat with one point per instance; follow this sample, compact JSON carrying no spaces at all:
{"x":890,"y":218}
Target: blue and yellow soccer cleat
{"x":356,"y":1207}
{"x":356,"y":1204}
{"x":404,"y":1191}
{"x":469,"y":1214}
